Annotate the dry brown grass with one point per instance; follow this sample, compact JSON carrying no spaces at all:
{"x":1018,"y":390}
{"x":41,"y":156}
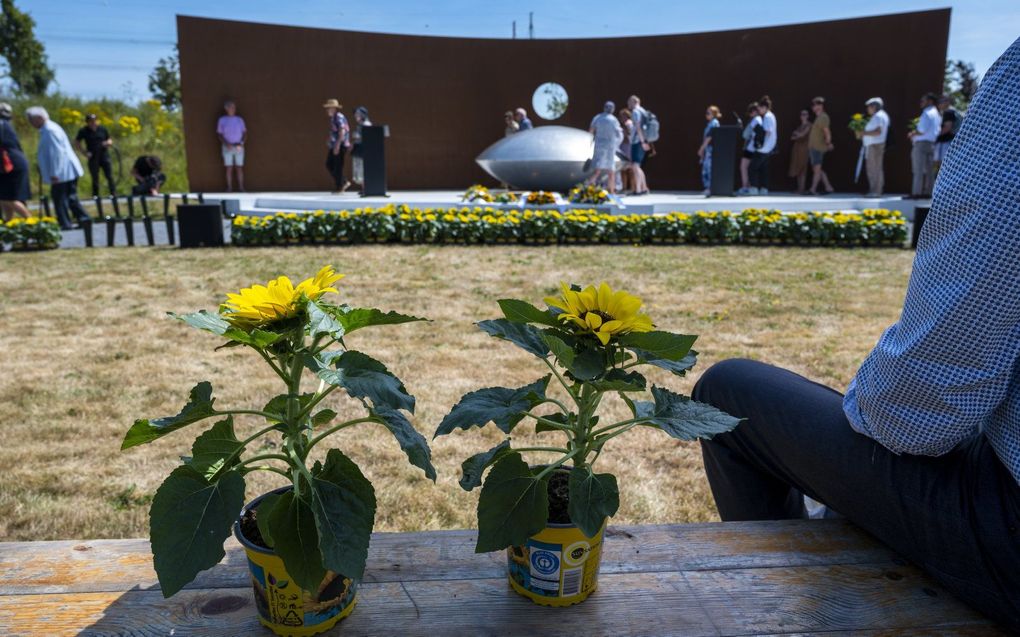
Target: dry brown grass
{"x":86,"y":348}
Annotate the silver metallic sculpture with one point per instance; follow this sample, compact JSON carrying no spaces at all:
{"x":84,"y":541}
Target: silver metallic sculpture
{"x":543,"y":158}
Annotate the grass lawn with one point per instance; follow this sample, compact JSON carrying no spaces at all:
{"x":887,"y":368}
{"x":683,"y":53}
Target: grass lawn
{"x":87,"y":348}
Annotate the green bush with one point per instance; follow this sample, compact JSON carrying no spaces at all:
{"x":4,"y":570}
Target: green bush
{"x":143,"y":129}
{"x":488,"y":225}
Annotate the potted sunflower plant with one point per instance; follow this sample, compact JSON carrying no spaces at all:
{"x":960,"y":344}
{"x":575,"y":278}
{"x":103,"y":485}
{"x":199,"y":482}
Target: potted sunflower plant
{"x":551,"y":515}
{"x":307,"y":541}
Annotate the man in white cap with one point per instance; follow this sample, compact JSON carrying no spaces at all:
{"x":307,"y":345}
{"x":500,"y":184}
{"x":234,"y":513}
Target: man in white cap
{"x":608,"y":136}
{"x":873,"y":138}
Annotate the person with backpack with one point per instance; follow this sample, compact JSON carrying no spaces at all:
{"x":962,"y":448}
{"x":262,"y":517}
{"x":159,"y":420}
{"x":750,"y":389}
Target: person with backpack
{"x":641,"y":142}
{"x":753,"y":135}
{"x":951,"y":121}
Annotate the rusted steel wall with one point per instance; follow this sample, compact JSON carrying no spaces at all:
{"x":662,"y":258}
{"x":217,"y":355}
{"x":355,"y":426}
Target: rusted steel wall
{"x":444,"y":98}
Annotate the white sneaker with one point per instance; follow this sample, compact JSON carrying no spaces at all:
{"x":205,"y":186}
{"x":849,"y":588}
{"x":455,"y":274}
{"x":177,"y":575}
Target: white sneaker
{"x":707,"y":192}
{"x":763,"y":191}
{"x":752,"y":191}
{"x":743,"y":191}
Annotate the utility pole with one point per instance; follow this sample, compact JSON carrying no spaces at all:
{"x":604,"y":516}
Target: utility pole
{"x":531,"y":25}
{"x":515,"y":30}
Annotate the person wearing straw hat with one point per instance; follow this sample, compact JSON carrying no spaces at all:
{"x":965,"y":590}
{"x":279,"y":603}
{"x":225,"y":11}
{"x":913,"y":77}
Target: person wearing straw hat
{"x":339,"y":142}
{"x":874,"y":137}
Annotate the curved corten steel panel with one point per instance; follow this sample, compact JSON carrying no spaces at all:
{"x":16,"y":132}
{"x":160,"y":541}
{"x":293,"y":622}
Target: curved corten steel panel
{"x":444,"y":98}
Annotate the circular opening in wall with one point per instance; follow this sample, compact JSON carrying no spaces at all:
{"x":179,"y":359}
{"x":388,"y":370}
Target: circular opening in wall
{"x":549,"y":100}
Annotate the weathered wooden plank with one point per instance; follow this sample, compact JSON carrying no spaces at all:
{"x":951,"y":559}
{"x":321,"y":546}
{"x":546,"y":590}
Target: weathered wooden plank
{"x":780,"y":600}
{"x":117,"y":565}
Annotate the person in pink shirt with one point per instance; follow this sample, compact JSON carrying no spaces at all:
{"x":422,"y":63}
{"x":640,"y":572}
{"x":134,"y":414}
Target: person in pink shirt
{"x":232,"y":134}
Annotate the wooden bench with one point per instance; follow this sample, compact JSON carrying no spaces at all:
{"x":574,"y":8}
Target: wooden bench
{"x":804,"y":577}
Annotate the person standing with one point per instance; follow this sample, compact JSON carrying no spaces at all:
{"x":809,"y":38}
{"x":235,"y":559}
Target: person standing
{"x":94,"y":142}
{"x":819,"y":143}
{"x":752,"y":135}
{"x":922,"y":154}
{"x":799,"y":151}
{"x":623,"y":152}
{"x":923,"y":450}
{"x":712,"y":114}
{"x":510,"y":124}
{"x":873,"y":137}
{"x":950,"y":124}
{"x":339,"y":142}
{"x":59,"y":167}
{"x":357,"y":161}
{"x":14,"y":186}
{"x":758,"y":171}
{"x":521,"y":117}
{"x":608,"y":135}
{"x":233,"y":134}
{"x":639,"y":146}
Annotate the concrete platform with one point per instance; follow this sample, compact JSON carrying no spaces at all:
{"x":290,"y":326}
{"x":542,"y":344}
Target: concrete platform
{"x":261,"y":203}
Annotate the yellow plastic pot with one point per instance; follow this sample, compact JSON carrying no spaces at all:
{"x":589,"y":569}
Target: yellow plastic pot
{"x":284,"y":607}
{"x":558,"y":566}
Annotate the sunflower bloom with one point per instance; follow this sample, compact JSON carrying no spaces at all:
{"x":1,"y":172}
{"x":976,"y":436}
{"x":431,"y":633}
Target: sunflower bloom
{"x":277,"y":300}
{"x":601,"y":311}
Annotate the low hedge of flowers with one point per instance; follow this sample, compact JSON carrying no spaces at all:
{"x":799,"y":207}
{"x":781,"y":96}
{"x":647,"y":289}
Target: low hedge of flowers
{"x":33,"y":233}
{"x":474,"y":225}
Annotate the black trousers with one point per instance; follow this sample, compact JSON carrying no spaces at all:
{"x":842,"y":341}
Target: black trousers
{"x":65,"y":198}
{"x":335,"y":166}
{"x":956,"y":516}
{"x":758,"y":171}
{"x":97,"y":163}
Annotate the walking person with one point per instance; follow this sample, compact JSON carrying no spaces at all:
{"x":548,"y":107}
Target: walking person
{"x":339,"y":142}
{"x":608,"y":135}
{"x":874,"y":137}
{"x":819,"y":143}
{"x":233,"y":134}
{"x":14,"y":186}
{"x":357,"y":161}
{"x":59,"y":167}
{"x":758,"y":171}
{"x":94,"y":142}
{"x":951,"y":121}
{"x":639,"y":146}
{"x":752,"y":135}
{"x":799,"y":151}
{"x":922,"y":154}
{"x":712,"y":114}
{"x":923,"y":451}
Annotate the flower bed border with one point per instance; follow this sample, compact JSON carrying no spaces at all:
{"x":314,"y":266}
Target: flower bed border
{"x":477,"y":225}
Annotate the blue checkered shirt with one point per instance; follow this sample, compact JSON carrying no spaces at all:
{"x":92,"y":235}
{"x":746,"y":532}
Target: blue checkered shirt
{"x":950,"y":368}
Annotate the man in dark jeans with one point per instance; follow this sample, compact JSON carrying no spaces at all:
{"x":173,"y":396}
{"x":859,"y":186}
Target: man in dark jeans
{"x":923,"y":451}
{"x":94,"y":142}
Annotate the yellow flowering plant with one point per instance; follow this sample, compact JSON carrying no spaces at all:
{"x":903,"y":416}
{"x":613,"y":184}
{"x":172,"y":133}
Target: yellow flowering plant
{"x":858,"y":122}
{"x":592,"y":341}
{"x":320,"y":522}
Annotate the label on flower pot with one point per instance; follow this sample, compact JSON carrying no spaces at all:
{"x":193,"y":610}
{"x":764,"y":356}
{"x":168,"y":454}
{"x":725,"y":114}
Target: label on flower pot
{"x":558,"y":566}
{"x":282,"y":603}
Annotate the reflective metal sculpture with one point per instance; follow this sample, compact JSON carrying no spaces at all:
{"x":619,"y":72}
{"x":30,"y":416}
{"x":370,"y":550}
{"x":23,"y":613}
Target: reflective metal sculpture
{"x":543,"y":158}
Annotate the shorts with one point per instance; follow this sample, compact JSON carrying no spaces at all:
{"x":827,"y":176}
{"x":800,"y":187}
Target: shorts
{"x":233,"y":155}
{"x":815,"y":156}
{"x":637,"y":153}
{"x":748,"y":154}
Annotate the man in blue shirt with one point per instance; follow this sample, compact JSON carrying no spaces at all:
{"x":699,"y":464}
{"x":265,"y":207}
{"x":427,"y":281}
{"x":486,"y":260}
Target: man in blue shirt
{"x":59,"y":166}
{"x":521,"y":117}
{"x":923,"y":452}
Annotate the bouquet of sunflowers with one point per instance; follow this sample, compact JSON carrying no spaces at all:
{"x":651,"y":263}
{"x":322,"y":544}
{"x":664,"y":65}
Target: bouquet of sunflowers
{"x":857,"y":124}
{"x":477,"y":192}
{"x":541,"y":198}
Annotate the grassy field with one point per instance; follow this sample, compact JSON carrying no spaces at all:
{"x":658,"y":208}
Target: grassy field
{"x":87,"y":348}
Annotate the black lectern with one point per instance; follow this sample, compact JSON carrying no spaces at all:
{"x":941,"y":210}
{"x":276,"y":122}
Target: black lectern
{"x":373,"y":153}
{"x":724,"y":159}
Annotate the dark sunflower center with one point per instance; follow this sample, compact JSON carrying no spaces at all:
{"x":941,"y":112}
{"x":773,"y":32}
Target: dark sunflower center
{"x":605,"y":317}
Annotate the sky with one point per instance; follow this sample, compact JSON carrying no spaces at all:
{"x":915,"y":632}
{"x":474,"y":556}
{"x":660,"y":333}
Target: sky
{"x":108,"y":47}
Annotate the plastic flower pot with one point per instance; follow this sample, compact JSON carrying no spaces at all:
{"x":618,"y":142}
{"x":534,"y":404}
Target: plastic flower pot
{"x":559,"y":566}
{"x":284,"y":607}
